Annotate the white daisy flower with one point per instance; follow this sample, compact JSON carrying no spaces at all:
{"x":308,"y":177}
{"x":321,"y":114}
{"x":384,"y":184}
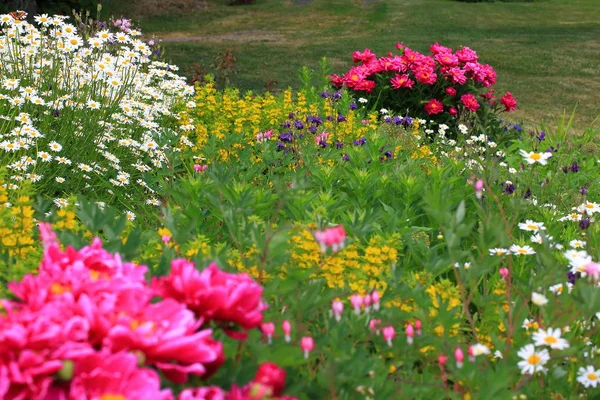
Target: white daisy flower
{"x":588,"y":376}
{"x":556,"y":289}
{"x":532,"y":226}
{"x":59,"y":179}
{"x":577,"y":243}
{"x":539,"y":299}
{"x":533,"y":157}
{"x":533,"y":361}
{"x":521,"y":250}
{"x":551,"y":338}
{"x":55,"y":146}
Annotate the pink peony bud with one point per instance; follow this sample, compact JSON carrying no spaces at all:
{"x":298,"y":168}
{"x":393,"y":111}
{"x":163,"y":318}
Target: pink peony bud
{"x":307,"y":344}
{"x":373,"y":325}
{"x":410,"y":334}
{"x":375,"y":297}
{"x":357,"y":301}
{"x":460,"y":357}
{"x":593,"y":270}
{"x":450,"y":91}
{"x":504,"y":272}
{"x":389,"y":333}
{"x":337,"y":307}
{"x":452,"y":111}
{"x":418,"y":327}
{"x":287,"y":330}
{"x":197,"y":167}
{"x":268,"y":328}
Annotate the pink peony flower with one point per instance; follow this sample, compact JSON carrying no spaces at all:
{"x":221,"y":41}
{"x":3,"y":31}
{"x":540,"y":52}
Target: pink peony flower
{"x":214,"y":295}
{"x":509,"y":102}
{"x":450,"y":91}
{"x":456,"y":76}
{"x":272,"y":376}
{"x":452,"y":111}
{"x":447,"y":59}
{"x":366,"y":56}
{"x":469,"y":102}
{"x":426,"y":75}
{"x":437,"y":48}
{"x":400,"y":81}
{"x":466,"y":55}
{"x":167,"y":333}
{"x":434,"y":107}
{"x":101,"y":375}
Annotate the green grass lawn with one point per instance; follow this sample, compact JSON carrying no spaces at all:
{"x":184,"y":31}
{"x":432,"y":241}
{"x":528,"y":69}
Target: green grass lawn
{"x":546,"y":52}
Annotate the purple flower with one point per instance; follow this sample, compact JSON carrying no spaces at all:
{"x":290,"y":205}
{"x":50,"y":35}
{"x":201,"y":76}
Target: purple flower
{"x":573,"y":277}
{"x":286,"y":124}
{"x":508,"y":188}
{"x":388,"y":154}
{"x":336,"y":95}
{"x":312,"y":129}
{"x":346,"y":157}
{"x":527,"y":193}
{"x":285,"y":137}
{"x":280,"y":146}
{"x":298,"y":124}
{"x":360,"y":141}
{"x":341,"y":118}
{"x":575,"y":167}
{"x":585,"y":223}
{"x":322,"y":143}
{"x":387,"y":119}
{"x":517,"y":127}
{"x":353,"y":106}
{"x":541,"y":136}
{"x":329,"y":118}
{"x":338,"y":144}
{"x":324,"y":94}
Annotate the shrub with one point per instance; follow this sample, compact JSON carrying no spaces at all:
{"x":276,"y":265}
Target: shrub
{"x":448,"y":87}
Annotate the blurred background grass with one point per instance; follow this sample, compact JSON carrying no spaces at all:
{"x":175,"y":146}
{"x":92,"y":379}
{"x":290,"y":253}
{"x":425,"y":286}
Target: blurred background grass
{"x":546,"y":52}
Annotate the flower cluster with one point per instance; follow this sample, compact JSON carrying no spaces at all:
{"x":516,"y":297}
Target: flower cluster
{"x":86,"y":326}
{"x":84,"y":112}
{"x":442,"y":86}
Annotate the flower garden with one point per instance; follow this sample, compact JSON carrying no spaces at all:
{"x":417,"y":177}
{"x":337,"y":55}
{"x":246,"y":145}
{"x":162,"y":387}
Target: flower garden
{"x":391,"y":234}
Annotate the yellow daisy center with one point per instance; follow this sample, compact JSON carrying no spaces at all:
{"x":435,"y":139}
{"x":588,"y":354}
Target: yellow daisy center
{"x":592,"y":376}
{"x":534,"y":359}
{"x":535,"y":156}
{"x":550,"y":340}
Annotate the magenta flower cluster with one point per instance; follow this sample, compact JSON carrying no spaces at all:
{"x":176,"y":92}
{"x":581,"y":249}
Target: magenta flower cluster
{"x":84,"y":327}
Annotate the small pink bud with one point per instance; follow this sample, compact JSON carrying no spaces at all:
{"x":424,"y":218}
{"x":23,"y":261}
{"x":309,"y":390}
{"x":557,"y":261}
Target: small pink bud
{"x":337,"y":307}
{"x":471,"y":354}
{"x":460,"y":357}
{"x":367,"y":303}
{"x":479,"y":188}
{"x":504,"y":272}
{"x":373,"y":325}
{"x":375,"y":297}
{"x":410,"y":334}
{"x":166,"y":239}
{"x":389,"y":333}
{"x":307,"y":344}
{"x":357,"y":301}
{"x":259,"y":137}
{"x":197,"y":167}
{"x":268,"y":328}
{"x":418,"y":326}
{"x":442,"y":360}
{"x":287,"y":330}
